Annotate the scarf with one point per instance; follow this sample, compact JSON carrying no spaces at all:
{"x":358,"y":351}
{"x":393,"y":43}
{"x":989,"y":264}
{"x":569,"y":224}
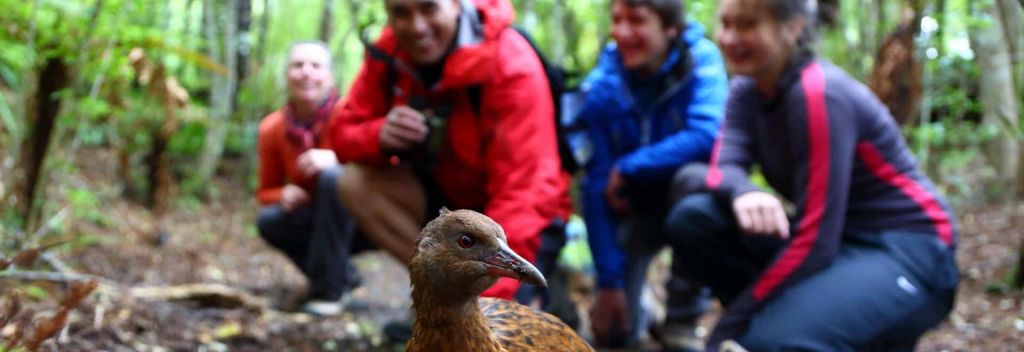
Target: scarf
{"x":304,"y":135}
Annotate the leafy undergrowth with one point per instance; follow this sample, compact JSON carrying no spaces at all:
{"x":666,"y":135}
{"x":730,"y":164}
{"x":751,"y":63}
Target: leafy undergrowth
{"x":214,"y":243}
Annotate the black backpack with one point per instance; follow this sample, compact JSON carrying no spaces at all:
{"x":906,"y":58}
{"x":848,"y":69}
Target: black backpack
{"x":570,"y":131}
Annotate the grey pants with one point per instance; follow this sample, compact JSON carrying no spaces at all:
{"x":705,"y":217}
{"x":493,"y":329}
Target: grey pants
{"x":316,"y":237}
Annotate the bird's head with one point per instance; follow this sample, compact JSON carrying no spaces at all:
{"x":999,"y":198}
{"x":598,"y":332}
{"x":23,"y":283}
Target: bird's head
{"x":462,"y":253}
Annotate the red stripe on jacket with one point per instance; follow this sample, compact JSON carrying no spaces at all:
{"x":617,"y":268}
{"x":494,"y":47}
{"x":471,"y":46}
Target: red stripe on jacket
{"x":885,"y":171}
{"x":714,"y":176}
{"x":813,"y":80}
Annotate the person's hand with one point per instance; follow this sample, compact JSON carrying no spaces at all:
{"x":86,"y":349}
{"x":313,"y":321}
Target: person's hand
{"x":609,"y":310}
{"x":404,"y":128}
{"x":613,"y":192}
{"x":760,"y":213}
{"x":315,"y":160}
{"x":292,"y":197}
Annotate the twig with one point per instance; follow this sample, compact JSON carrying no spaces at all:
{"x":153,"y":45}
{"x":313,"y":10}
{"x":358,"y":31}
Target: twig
{"x":28,"y":256}
{"x":97,"y":318}
{"x":56,"y":218}
{"x":57,"y":264}
{"x":54,"y":277}
{"x":205,"y":294}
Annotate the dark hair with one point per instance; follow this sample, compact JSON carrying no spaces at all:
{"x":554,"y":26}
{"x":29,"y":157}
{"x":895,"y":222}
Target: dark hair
{"x":815,"y":12}
{"x":670,"y":12}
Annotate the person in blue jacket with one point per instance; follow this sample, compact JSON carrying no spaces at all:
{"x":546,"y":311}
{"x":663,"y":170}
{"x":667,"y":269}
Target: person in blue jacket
{"x":653,"y":105}
{"x":867,"y":263}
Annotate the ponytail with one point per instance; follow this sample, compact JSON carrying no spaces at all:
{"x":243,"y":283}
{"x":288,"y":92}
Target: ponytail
{"x":815,"y":13}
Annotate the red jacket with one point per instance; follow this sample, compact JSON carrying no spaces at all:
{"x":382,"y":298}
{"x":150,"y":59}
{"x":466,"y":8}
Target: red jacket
{"x":504,"y":161}
{"x":278,"y":156}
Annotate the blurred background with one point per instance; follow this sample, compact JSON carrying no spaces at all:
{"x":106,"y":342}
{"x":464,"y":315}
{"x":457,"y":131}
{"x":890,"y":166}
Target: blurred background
{"x":128,"y":133}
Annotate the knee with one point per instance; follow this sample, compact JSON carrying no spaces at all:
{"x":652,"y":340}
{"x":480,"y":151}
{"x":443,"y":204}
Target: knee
{"x":327,"y":179}
{"x":689,"y":179}
{"x":268,"y":219}
{"x":351,"y":185}
{"x":693,"y":215}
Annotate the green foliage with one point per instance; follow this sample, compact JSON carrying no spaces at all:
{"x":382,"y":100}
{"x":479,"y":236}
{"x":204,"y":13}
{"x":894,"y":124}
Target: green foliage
{"x":85,"y":240}
{"x":188,"y":142}
{"x":106,"y":105}
{"x":35,"y":292}
{"x":87,"y":205}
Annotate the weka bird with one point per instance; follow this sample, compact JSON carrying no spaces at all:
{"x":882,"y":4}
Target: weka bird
{"x":459,"y":255}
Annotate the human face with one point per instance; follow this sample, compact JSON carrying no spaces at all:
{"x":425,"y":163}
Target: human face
{"x":642,"y":39}
{"x":309,"y":74}
{"x":753,"y":42}
{"x":424,"y":28}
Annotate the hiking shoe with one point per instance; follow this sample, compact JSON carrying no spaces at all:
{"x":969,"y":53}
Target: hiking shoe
{"x":322,"y":308}
{"x":677,"y":337}
{"x":351,"y":303}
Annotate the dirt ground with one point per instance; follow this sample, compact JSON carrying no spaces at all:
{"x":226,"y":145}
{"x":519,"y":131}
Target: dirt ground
{"x":214,"y":243}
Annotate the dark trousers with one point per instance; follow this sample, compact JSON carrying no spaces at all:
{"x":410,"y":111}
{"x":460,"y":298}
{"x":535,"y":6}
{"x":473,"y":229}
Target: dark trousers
{"x":642,"y":236}
{"x":317,"y":238}
{"x":882,"y":292}
{"x":555,"y":298}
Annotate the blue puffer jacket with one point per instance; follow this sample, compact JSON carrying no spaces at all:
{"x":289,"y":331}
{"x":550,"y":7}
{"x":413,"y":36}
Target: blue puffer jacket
{"x":648,"y":143}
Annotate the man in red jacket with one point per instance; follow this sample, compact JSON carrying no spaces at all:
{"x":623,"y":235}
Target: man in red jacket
{"x":451,"y":108}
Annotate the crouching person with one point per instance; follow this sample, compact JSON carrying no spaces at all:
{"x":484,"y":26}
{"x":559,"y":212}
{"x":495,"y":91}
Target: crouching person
{"x":300,"y":212}
{"x":867,"y":262}
{"x":450,"y":108}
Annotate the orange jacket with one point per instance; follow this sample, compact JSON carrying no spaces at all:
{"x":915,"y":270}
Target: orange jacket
{"x":278,"y":156}
{"x":505,"y":161}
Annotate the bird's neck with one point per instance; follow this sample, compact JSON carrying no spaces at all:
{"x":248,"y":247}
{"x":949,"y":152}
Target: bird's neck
{"x":447,"y":326}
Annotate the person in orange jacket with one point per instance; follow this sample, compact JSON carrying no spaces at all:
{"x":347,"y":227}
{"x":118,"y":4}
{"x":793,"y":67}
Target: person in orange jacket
{"x":451,"y":108}
{"x":300,"y":213}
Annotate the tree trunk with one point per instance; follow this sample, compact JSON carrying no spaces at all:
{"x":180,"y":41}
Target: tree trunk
{"x":221,"y":96}
{"x":998,"y":99}
{"x":243,"y":10}
{"x":1017,"y":281}
{"x":42,"y":110}
{"x":187,"y":31}
{"x":96,"y":8}
{"x":264,"y":25}
{"x":1012,"y":15}
{"x":327,"y":21}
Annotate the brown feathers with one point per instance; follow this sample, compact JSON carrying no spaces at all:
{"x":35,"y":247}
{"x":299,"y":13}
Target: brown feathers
{"x":459,"y":255}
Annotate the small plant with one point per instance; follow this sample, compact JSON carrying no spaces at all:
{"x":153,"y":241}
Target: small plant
{"x":12,"y":312}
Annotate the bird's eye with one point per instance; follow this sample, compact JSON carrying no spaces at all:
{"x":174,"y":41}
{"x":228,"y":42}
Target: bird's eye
{"x":466,"y":241}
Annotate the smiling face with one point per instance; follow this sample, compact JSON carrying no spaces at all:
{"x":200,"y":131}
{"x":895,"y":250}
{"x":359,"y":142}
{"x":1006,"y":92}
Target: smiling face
{"x":642,"y":39}
{"x":753,"y":42}
{"x":424,"y":29}
{"x":309,"y":74}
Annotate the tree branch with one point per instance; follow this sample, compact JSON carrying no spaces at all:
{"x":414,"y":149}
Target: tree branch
{"x":53,"y":277}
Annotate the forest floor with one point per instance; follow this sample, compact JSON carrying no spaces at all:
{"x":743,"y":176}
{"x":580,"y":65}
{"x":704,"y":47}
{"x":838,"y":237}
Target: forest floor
{"x":215,"y":243}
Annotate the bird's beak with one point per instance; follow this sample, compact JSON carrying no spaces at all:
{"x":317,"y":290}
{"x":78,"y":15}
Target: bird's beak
{"x":509,"y":264}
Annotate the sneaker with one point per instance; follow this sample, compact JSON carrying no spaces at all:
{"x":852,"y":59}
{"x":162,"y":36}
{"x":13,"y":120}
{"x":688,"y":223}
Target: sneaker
{"x":731,"y":346}
{"x":680,"y":338}
{"x":351,"y":302}
{"x":322,"y":308}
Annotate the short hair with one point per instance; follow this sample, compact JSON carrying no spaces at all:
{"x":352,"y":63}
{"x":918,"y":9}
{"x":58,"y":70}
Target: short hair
{"x":318,"y":43}
{"x":670,"y":12}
